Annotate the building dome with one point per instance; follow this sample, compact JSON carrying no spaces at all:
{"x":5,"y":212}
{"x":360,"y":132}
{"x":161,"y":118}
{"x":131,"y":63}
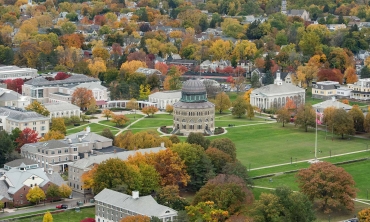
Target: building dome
{"x":193,"y":91}
{"x":193,"y":86}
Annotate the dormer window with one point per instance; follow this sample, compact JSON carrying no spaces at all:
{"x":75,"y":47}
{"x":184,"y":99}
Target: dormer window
{"x":167,"y":211}
{"x":33,"y":178}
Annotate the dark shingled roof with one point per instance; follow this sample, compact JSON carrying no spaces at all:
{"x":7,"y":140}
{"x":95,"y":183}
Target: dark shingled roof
{"x":18,"y":162}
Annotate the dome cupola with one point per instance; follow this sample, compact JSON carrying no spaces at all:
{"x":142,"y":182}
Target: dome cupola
{"x":193,"y":90}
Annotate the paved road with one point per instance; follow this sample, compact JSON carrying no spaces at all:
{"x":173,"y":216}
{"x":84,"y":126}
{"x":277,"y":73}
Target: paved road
{"x":70,"y":202}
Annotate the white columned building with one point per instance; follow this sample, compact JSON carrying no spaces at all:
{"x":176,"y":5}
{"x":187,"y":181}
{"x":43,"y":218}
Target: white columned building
{"x":276,"y":95}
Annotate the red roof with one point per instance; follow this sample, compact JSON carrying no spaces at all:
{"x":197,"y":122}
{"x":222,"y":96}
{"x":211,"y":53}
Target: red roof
{"x":100,"y":102}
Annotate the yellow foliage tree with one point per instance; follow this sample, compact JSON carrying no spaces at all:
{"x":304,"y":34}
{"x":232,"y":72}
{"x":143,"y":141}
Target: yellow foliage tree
{"x":247,"y":95}
{"x":97,"y":66}
{"x":58,"y":125}
{"x":65,"y":190}
{"x":364,"y":215}
{"x":350,"y":75}
{"x":131,"y":66}
{"x":144,"y":91}
{"x":244,"y":49}
{"x":87,"y":178}
{"x":47,"y":217}
{"x":35,"y":194}
{"x":101,"y":53}
{"x":107,"y":113}
{"x":221,"y":49}
{"x":136,"y":218}
{"x":169,"y":108}
{"x":52,"y":135}
{"x":132,"y":104}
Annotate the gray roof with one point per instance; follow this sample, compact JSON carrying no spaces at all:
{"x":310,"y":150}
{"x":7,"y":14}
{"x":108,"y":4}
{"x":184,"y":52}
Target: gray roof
{"x":18,"y":162}
{"x":201,"y":105}
{"x":148,"y":71}
{"x":4,"y":190}
{"x":145,"y":205}
{"x":9,"y":95}
{"x":173,"y":94}
{"x":74,"y":79}
{"x":87,"y":162}
{"x":60,"y":106}
{"x":87,"y":137}
{"x":332,"y":103}
{"x":21,"y":115}
{"x":273,"y":89}
{"x":56,"y":178}
{"x":17,"y":178}
{"x":51,"y":144}
{"x":193,"y":86}
{"x":90,"y":85}
{"x":296,"y":12}
{"x":326,"y":85}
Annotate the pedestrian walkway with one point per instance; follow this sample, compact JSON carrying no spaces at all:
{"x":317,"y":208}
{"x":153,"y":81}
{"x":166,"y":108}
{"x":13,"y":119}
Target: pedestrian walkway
{"x":126,"y":128}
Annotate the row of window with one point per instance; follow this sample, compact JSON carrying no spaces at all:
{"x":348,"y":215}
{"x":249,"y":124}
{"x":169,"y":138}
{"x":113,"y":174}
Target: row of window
{"x":59,"y":151}
{"x":193,"y":113}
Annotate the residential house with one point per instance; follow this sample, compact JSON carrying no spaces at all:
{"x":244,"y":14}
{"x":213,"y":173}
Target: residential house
{"x":112,"y":206}
{"x":276,"y":95}
{"x":320,"y":107}
{"x":11,"y":98}
{"x":343,"y":92}
{"x":324,"y":89}
{"x":164,"y":98}
{"x":14,"y":72}
{"x":11,"y":118}
{"x":360,"y":89}
{"x":363,"y":54}
{"x":190,"y":64}
{"x":333,"y":27}
{"x":300,"y":13}
{"x":15,"y":184}
{"x":62,"y":109}
{"x":76,"y":169}
{"x":148,"y":72}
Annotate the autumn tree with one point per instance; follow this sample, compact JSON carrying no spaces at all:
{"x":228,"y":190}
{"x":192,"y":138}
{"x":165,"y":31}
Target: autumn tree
{"x":169,"y":108}
{"x":343,"y":123}
{"x":149,"y":110}
{"x":47,"y":217}
{"x":27,"y":136}
{"x":305,"y":117}
{"x":329,"y":116}
{"x":38,"y":108}
{"x":132,"y":104}
{"x":170,"y":197}
{"x":136,"y":218}
{"x":267,"y":208}
{"x":107,"y":113}
{"x":119,"y":119}
{"x":364,"y":215}
{"x":96,"y":66}
{"x":228,"y":192}
{"x":206,"y":211}
{"x":238,"y":169}
{"x":218,"y":158}
{"x":250,"y":111}
{"x":199,"y":139}
{"x":328,"y":185}
{"x":247,"y":95}
{"x":358,"y":118}
{"x":330,"y":75}
{"x":107,"y":133}
{"x":225,"y":145}
{"x":350,"y":75}
{"x":172,"y":80}
{"x":222,"y":102}
{"x":143,"y":139}
{"x":57,"y":124}
{"x":283,"y":115}
{"x":65,"y":191}
{"x":14,"y":84}
{"x":367,"y":122}
{"x":87,"y":178}
{"x":52,"y":135}
{"x":81,"y":97}
{"x":52,"y":192}
{"x":198,"y":165}
{"x":130,"y":67}
{"x":35,"y":194}
{"x":61,"y":76}
{"x":239,"y":107}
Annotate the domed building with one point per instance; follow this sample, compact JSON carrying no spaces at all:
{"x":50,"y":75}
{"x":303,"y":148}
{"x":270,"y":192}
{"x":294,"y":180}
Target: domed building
{"x":193,"y":113}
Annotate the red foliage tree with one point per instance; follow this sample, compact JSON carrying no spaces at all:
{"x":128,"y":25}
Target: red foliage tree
{"x":238,"y":71}
{"x":219,"y":70}
{"x":27,"y":136}
{"x":228,"y":70}
{"x":14,"y":84}
{"x":100,"y":20}
{"x":162,"y":67}
{"x":116,"y":49}
{"x":230,"y":79}
{"x":182,"y":69}
{"x":330,"y":75}
{"x":61,"y":76}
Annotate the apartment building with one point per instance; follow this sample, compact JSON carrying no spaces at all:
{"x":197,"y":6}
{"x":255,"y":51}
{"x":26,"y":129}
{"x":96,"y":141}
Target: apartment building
{"x":14,"y":72}
{"x":360,"y":89}
{"x":53,"y":154}
{"x":112,"y":206}
{"x":325,"y":90}
{"x":11,"y":118}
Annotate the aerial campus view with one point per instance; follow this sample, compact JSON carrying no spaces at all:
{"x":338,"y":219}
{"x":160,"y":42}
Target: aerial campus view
{"x":219,"y":110}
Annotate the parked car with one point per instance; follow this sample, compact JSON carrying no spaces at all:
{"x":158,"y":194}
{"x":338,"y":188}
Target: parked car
{"x":62,"y":206}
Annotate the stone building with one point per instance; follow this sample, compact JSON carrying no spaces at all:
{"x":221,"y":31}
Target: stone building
{"x":162,"y":99}
{"x":276,"y":95}
{"x":193,"y":113}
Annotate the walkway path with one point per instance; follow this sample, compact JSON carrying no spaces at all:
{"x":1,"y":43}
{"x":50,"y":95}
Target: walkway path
{"x":305,"y":161}
{"x":126,"y":128}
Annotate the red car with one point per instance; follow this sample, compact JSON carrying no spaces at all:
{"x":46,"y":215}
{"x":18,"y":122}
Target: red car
{"x":62,"y":206}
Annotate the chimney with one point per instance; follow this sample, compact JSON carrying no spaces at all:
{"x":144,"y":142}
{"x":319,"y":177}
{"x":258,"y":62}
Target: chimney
{"x":80,"y":139}
{"x":135,"y":194}
{"x":162,"y":144}
{"x":69,"y":141}
{"x":88,"y":129}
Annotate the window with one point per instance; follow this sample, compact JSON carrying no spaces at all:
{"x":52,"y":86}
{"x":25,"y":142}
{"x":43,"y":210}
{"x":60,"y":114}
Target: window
{"x":66,"y":158}
{"x":52,"y":152}
{"x":42,"y":122}
{"x":34,"y":128}
{"x":66,"y":150}
{"x":34,"y":123}
{"x":59,"y":151}
{"x":47,"y":152}
{"x":43,"y":128}
{"x":75,"y":157}
{"x":75,"y":149}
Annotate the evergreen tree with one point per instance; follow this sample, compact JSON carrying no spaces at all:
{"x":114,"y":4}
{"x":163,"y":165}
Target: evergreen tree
{"x":6,"y":147}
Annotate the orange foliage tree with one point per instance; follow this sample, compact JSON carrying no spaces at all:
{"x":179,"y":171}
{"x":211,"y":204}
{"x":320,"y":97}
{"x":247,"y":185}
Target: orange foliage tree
{"x":350,"y":75}
{"x":119,"y":119}
{"x":87,"y":178}
{"x":149,"y":110}
{"x":290,"y":104}
{"x":136,"y":218}
{"x":329,"y":185}
{"x":364,"y":215}
{"x":81,"y":97}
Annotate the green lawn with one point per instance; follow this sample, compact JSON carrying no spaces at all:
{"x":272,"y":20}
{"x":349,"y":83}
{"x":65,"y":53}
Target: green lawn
{"x":269,"y":144}
{"x":94,"y":127}
{"x":67,"y":216}
{"x":359,"y":171}
{"x":152,"y":123}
